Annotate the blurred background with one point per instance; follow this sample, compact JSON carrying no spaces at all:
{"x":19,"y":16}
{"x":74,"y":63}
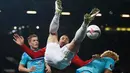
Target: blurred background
{"x":34,"y":16}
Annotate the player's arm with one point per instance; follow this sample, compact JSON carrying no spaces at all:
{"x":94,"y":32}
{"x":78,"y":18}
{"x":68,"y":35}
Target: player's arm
{"x":107,"y":71}
{"x":47,"y":68}
{"x":23,"y":62}
{"x":33,"y":54}
{"x":20,"y":41}
{"x":22,"y":68}
{"x":79,"y":62}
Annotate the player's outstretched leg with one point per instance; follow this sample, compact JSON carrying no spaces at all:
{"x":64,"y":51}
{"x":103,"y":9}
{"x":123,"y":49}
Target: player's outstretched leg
{"x":54,"y":26}
{"x":81,"y":32}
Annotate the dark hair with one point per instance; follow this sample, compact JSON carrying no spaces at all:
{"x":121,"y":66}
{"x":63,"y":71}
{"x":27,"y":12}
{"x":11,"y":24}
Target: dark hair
{"x":66,"y":36}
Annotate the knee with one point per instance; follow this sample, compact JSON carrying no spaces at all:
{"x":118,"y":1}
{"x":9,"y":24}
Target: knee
{"x":73,"y":46}
{"x":52,"y":38}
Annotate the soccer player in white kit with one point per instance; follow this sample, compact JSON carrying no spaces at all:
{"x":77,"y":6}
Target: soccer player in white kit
{"x":60,"y":56}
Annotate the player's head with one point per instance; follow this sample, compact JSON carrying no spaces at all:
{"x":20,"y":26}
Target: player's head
{"x":111,"y":54}
{"x":33,"y":41}
{"x":63,"y":40}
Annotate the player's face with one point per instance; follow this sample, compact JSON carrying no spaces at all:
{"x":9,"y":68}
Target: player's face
{"x":34,"y":43}
{"x":63,"y":40}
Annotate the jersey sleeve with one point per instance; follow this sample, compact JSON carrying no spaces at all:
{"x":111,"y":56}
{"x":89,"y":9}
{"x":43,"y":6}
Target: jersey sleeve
{"x":110,"y":64}
{"x":32,"y":54}
{"x":79,"y":62}
{"x":24,"y":59}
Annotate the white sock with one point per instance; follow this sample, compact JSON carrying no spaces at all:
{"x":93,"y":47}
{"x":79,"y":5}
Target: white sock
{"x":54,"y":26}
{"x":81,"y":33}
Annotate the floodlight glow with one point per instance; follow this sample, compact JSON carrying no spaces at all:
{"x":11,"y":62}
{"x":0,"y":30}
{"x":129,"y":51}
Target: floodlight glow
{"x":125,"y":15}
{"x":31,"y":12}
{"x":65,"y":13}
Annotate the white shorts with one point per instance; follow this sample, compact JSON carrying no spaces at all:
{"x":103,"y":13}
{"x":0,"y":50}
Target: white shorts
{"x":58,"y":57}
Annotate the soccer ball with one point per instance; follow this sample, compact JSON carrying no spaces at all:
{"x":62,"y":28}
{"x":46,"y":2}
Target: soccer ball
{"x":93,"y":31}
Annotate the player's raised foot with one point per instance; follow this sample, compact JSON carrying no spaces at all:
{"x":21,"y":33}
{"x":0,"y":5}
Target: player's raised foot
{"x":89,"y":17}
{"x":94,"y":12}
{"x":58,"y":6}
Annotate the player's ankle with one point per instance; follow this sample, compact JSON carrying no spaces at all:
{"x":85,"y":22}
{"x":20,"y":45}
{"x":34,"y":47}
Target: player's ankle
{"x":58,"y":12}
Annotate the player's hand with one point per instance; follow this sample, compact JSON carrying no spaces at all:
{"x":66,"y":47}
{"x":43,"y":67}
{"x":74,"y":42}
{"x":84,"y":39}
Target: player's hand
{"x":32,"y":69}
{"x":18,"y":39}
{"x":48,"y":69}
{"x":95,"y":56}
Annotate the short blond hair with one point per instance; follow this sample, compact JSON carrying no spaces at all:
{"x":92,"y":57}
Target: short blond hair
{"x":111,"y":54}
{"x":31,"y":36}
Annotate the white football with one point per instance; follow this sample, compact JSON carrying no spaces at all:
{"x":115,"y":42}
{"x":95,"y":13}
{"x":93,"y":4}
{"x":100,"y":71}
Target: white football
{"x":93,"y":31}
